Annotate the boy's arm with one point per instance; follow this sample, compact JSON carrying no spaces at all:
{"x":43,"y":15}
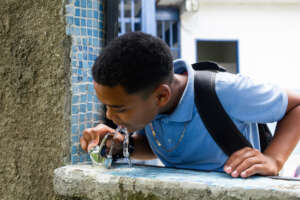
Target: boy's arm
{"x":249,"y":161}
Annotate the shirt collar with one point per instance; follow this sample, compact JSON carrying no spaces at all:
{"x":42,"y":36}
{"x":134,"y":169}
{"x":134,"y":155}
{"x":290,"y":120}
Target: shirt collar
{"x":184,"y":109}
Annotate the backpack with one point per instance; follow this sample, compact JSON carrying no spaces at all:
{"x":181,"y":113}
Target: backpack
{"x":216,"y":120}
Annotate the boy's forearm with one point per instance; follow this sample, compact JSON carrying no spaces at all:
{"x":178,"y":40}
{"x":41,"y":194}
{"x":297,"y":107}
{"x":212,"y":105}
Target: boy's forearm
{"x":142,"y":149}
{"x":286,"y":137}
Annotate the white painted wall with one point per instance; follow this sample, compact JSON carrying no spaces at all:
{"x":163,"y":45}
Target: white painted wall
{"x":268,"y":35}
{"x":269,"y":40}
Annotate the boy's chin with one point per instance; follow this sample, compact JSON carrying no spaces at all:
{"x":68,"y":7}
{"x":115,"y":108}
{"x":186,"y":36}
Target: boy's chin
{"x":132,"y":129}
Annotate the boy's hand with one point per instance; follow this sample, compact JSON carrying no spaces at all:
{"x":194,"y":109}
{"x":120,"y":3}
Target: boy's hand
{"x":93,"y":136}
{"x":248,"y":161}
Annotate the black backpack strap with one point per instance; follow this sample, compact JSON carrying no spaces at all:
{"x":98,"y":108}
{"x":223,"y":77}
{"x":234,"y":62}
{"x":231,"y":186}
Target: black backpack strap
{"x":265,"y":136}
{"x":208,"y":65}
{"x":213,"y":115}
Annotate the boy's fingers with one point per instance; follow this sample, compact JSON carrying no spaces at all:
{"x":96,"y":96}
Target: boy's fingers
{"x":83,"y":144}
{"x":89,"y":139}
{"x":86,"y":134}
{"x":118,"y":138}
{"x":236,"y":154}
{"x":237,"y":158}
{"x":93,"y":143}
{"x":103,"y":131}
{"x":85,"y":139}
{"x":254,"y":169}
{"x":92,"y":136}
{"x":246,"y":164}
{"x":257,"y":164}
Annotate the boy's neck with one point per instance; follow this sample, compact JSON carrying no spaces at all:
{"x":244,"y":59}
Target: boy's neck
{"x":177,"y":88}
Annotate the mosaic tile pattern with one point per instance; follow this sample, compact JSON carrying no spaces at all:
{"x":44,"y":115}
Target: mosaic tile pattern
{"x":85,"y":25}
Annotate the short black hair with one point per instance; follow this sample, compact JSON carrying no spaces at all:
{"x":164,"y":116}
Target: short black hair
{"x":136,"y":61}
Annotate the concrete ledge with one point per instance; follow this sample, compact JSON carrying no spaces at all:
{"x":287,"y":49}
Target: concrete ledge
{"x":151,"y":183}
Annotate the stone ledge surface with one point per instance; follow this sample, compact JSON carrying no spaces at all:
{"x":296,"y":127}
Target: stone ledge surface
{"x":144,"y":182}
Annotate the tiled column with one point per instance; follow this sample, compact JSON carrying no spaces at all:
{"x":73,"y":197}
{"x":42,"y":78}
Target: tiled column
{"x":85,"y":25}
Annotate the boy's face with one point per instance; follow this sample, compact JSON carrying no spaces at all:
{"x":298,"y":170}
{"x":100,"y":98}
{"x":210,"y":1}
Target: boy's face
{"x":129,"y":110}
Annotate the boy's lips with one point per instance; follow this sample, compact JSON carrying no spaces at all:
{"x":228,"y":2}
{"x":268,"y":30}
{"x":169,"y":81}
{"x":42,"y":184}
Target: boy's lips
{"x":127,"y":126}
{"x":122,"y":125}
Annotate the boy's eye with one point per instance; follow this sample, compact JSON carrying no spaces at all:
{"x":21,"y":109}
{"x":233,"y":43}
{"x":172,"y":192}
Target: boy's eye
{"x":121,"y":110}
{"x":118,"y":110}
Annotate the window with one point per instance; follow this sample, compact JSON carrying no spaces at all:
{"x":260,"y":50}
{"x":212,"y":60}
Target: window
{"x":141,"y":15}
{"x":168,"y":28}
{"x":129,"y":16}
{"x":225,"y":53}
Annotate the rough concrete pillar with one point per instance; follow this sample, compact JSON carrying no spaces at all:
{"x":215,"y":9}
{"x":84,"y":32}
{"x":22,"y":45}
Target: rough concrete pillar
{"x":46,"y":94}
{"x":34,"y":97}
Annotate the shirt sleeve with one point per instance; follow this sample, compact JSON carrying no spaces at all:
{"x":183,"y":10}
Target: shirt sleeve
{"x":247,"y":100}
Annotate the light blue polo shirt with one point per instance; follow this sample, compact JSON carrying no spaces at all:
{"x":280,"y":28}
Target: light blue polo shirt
{"x":245,"y":101}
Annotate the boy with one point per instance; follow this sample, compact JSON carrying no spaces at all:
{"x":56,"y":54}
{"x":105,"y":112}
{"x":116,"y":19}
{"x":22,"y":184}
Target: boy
{"x":135,"y":78}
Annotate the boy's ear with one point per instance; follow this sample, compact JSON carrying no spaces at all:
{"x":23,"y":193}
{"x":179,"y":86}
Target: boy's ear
{"x":162,"y":94}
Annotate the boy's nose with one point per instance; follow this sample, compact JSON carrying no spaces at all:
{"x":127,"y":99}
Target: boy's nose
{"x":111,"y":116}
{"x":108,"y":114}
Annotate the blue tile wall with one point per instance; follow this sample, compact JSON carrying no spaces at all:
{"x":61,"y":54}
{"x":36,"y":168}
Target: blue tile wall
{"x":85,"y":25}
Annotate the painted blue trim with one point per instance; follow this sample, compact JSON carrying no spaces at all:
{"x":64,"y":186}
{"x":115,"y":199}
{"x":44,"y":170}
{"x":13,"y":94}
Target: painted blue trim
{"x":122,"y":17}
{"x":148,"y":17}
{"x":167,"y":14}
{"x":171,"y":34}
{"x":221,"y":40}
{"x":132,"y":15}
{"x":179,"y":38}
{"x":163,"y":29}
{"x":129,"y":20}
{"x":237,"y":57}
